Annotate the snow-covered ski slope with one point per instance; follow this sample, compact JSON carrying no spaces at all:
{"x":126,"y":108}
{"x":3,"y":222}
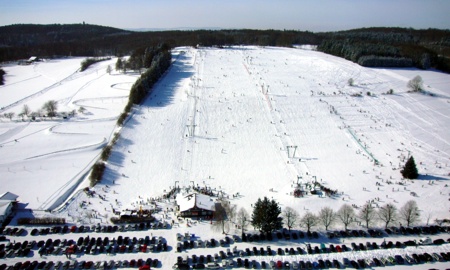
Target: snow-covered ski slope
{"x":254,"y":122}
{"x":44,"y":161}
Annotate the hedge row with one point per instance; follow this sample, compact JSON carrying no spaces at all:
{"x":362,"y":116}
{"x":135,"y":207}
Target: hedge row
{"x":90,"y":61}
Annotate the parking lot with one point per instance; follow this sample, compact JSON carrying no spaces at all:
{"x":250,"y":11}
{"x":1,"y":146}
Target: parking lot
{"x":155,"y":245}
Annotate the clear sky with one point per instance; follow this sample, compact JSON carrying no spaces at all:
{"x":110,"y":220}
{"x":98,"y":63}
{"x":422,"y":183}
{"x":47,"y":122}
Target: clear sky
{"x":311,"y":15}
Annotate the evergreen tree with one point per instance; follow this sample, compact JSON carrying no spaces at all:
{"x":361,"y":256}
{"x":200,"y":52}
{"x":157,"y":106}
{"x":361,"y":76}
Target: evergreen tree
{"x":410,"y":169}
{"x":2,"y":79}
{"x":266,"y":216}
{"x":119,"y":64}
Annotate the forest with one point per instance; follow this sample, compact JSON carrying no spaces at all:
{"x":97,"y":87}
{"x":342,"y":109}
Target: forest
{"x":382,"y":47}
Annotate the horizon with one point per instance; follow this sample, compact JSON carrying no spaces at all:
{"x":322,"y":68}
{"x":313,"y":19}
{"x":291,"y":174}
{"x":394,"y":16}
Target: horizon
{"x":315,"y":16}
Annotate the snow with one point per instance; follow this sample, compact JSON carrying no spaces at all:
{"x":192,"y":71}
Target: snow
{"x":229,"y":120}
{"x":55,"y":152}
{"x":189,"y":201}
{"x":240,"y":135}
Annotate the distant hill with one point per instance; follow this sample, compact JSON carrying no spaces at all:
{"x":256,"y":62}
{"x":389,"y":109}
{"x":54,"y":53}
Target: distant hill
{"x":378,"y":46}
{"x":34,"y":35}
{"x":20,"y":41}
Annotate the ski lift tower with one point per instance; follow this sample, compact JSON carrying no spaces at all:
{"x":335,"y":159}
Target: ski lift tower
{"x":289,"y":152}
{"x":191,"y":130}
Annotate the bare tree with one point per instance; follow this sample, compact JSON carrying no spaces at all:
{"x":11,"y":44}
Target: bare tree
{"x":26,"y":110}
{"x":9,"y":115}
{"x":368,"y":214}
{"x":346,"y":215}
{"x":40,"y":112}
{"x":231,"y":210}
{"x":50,"y":107}
{"x":290,"y":216}
{"x":410,"y":212}
{"x":309,"y":220}
{"x":351,"y":82}
{"x":243,"y":219}
{"x":82,"y":109}
{"x":416,"y":84}
{"x":429,"y":217}
{"x":327,"y":216}
{"x":220,"y":217}
{"x":388,"y":214}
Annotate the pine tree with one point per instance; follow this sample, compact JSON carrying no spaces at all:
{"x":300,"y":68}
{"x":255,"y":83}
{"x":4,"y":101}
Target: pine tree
{"x":266,"y":215}
{"x":119,"y":64}
{"x":410,"y":169}
{"x":2,"y":73}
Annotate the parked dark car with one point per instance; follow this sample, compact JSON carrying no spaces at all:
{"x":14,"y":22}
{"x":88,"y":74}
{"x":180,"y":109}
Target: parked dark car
{"x":399,"y":259}
{"x":354,"y":264}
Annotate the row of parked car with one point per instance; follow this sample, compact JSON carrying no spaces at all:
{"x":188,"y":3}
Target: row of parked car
{"x":74,"y":264}
{"x":12,"y":231}
{"x":185,"y":243}
{"x":419,"y":230}
{"x":203,"y":262}
{"x":226,"y":257}
{"x":87,"y":245}
{"x":285,"y":234}
{"x":15,"y":231}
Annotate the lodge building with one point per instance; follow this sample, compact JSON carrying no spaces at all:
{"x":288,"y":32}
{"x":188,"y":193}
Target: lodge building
{"x":195,"y":205}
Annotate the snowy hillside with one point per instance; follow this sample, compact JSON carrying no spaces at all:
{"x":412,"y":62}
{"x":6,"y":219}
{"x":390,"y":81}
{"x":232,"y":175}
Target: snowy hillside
{"x":225,"y":118}
{"x":246,"y":122}
{"x":43,"y":161}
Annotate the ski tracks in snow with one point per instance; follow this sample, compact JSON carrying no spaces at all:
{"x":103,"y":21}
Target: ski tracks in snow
{"x":295,"y":167}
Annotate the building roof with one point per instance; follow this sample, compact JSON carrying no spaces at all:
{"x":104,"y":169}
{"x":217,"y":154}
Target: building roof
{"x":192,"y":200}
{"x":4,"y":204}
{"x":8,"y":196}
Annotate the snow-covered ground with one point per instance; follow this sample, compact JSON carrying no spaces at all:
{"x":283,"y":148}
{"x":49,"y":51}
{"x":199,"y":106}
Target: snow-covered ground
{"x":229,"y":119}
{"x":44,"y":161}
{"x":224,"y":118}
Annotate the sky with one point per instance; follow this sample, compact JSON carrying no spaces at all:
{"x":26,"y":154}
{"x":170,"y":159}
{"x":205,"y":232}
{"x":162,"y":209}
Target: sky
{"x":309,"y":15}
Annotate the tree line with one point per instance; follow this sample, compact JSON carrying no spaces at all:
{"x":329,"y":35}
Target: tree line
{"x":155,"y":61}
{"x":2,"y":74}
{"x":384,"y":46}
{"x":268,"y":217}
{"x":90,"y":61}
{"x":391,"y":47}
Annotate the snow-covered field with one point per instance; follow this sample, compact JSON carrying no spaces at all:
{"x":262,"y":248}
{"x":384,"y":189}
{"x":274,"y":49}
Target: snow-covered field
{"x":229,"y":119}
{"x":224,"y":118}
{"x":45,"y":160}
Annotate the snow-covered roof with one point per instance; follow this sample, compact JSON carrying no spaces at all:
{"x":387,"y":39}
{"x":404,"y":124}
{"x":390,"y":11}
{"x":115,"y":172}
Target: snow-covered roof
{"x":8,"y":196}
{"x":4,"y":207}
{"x":189,"y":201}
